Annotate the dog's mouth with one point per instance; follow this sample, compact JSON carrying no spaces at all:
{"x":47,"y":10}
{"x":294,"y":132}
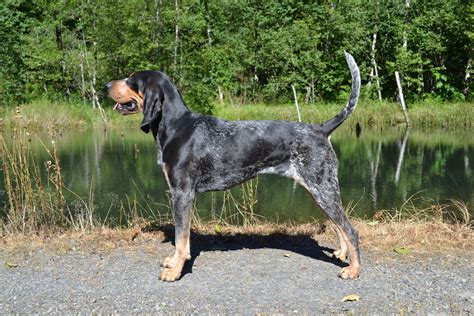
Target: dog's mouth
{"x":126,"y":108}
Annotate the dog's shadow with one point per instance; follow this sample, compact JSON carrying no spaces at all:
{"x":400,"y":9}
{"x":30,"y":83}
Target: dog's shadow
{"x":301,"y":244}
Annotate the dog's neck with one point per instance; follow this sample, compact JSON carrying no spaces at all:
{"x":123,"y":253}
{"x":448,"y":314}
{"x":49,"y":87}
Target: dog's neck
{"x":173,"y":109}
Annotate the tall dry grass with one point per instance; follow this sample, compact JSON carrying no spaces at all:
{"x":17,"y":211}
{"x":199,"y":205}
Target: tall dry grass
{"x":424,"y":229}
{"x":34,"y":188}
{"x":32,"y":201}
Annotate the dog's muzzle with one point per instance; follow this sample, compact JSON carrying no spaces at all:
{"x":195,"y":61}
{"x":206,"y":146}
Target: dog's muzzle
{"x":126,"y":108}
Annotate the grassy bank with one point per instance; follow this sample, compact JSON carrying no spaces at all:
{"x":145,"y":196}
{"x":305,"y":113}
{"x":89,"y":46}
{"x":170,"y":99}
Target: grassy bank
{"x":405,"y":236}
{"x":368,"y":113}
{"x":44,"y":114}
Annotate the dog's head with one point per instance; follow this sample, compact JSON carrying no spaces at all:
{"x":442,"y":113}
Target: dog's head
{"x":140,"y":92}
{"x":126,"y":94}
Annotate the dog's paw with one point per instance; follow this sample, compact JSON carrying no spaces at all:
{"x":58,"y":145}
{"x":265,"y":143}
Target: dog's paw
{"x":350,"y":272}
{"x":339,"y":254}
{"x":170,"y":274}
{"x":169,"y":262}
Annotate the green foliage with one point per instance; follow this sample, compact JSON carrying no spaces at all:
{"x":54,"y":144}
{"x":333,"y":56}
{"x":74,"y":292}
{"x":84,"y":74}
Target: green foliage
{"x":248,"y":50}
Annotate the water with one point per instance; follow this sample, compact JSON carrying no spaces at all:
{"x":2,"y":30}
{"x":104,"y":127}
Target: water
{"x":378,"y":170}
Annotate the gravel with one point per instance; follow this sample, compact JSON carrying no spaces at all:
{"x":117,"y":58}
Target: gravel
{"x":257,"y":275}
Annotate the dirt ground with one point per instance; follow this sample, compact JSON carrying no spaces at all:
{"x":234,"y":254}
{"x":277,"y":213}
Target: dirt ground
{"x":247,"y":274}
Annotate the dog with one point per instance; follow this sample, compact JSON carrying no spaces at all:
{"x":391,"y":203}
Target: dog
{"x":201,"y":153}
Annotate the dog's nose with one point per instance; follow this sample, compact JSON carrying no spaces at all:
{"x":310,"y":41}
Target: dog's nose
{"x":108,"y":85}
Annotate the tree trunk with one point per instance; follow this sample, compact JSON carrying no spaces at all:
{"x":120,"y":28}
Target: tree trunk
{"x":62,"y":62}
{"x":402,"y":99}
{"x":83,"y":82}
{"x":95,"y":97}
{"x":375,"y":71}
{"x":220,"y":93}
{"x":158,"y":5}
{"x":208,"y":22}
{"x":158,"y":32}
{"x":467,"y":76}
{"x":405,"y":40}
{"x":296,"y":102}
{"x":176,"y":39}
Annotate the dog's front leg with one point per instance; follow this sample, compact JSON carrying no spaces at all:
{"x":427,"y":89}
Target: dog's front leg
{"x":182,"y":208}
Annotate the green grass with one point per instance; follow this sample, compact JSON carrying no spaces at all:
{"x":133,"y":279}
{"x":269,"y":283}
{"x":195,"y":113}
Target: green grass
{"x":368,"y":113}
{"x":43,"y":114}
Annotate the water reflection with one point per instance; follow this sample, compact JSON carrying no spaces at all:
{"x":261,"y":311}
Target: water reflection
{"x":378,"y":170}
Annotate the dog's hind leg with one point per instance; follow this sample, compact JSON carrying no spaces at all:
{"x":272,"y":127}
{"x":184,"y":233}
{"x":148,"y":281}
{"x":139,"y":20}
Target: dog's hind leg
{"x":182,"y":208}
{"x":324,"y":188}
{"x":340,"y":253}
{"x":331,"y":204}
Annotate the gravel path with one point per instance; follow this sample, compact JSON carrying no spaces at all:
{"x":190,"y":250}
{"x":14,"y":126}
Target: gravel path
{"x":282,"y":274}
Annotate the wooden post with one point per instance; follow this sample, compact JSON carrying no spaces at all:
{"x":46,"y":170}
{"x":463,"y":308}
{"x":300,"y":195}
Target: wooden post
{"x":296,"y":103}
{"x":402,"y":99}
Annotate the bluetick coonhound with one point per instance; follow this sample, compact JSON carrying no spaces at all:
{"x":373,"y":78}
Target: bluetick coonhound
{"x":201,"y":153}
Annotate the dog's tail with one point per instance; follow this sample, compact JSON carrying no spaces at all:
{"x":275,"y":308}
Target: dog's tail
{"x":332,"y":124}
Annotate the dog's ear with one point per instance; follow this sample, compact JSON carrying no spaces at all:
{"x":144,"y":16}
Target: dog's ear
{"x":152,"y":104}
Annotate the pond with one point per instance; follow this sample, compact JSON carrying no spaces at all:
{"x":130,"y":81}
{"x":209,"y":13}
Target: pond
{"x":378,"y":169}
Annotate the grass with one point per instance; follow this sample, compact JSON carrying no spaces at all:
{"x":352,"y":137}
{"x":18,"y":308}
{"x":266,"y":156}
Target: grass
{"x":425,"y":114}
{"x":43,"y":114}
{"x":435,"y":227}
{"x":384,"y":235}
{"x":32,"y":203}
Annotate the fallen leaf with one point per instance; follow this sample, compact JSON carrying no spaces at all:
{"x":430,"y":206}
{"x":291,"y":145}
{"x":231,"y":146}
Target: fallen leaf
{"x":10,"y":265}
{"x":402,"y":250}
{"x":218,"y":228}
{"x":351,"y":298}
{"x":287,"y":255}
{"x":373,"y":223}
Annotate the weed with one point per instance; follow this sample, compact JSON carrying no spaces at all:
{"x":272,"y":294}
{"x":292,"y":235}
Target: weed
{"x":32,"y":202}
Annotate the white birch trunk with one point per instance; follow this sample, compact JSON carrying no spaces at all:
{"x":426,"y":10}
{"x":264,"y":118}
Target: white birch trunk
{"x":176,"y":39}
{"x":83,"y":81}
{"x":375,"y":72}
{"x":402,"y":99}
{"x":220,"y":93}
{"x":296,"y":102}
{"x":405,"y":40}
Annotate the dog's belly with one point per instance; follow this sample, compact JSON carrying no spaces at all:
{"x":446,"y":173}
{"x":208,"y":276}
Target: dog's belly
{"x":218,"y":182}
{"x":228,"y":178}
